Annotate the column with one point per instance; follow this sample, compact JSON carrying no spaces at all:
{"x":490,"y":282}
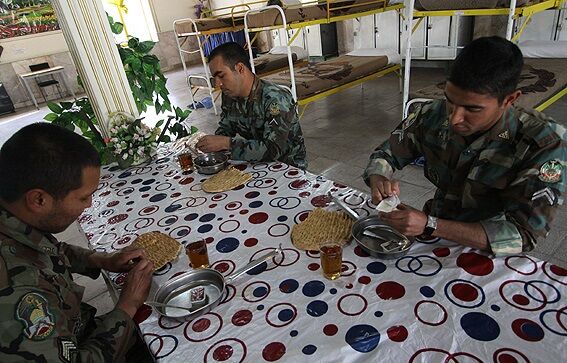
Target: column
{"x":91,"y":43}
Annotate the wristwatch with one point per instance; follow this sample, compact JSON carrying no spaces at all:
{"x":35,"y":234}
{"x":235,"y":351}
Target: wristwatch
{"x":431,"y":226}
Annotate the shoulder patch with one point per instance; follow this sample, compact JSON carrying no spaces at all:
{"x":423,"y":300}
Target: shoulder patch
{"x":550,"y":172}
{"x":67,"y":349}
{"x":274,"y":109}
{"x":33,"y":311}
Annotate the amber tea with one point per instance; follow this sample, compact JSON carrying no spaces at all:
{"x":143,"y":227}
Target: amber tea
{"x":331,"y":260}
{"x":185,"y":160}
{"x":197,"y":253}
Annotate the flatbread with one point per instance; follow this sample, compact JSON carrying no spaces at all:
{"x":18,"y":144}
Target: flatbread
{"x":321,"y":226}
{"x":225,"y":180}
{"x":159,"y":247}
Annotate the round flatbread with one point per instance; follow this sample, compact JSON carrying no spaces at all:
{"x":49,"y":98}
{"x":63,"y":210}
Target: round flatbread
{"x":321,"y":226}
{"x":225,"y":180}
{"x":160,"y":248}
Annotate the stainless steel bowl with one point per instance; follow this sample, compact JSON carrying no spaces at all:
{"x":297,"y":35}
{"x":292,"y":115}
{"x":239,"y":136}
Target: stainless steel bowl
{"x":210,"y":163}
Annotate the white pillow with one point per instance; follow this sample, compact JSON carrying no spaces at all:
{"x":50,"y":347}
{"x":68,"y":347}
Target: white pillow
{"x":393,"y":56}
{"x":282,"y":49}
{"x":543,"y":49}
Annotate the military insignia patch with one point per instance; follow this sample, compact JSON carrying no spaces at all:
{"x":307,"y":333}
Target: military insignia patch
{"x":550,"y":172}
{"x":504,"y":135}
{"x":67,"y":349}
{"x":33,"y":312}
{"x":274,"y":109}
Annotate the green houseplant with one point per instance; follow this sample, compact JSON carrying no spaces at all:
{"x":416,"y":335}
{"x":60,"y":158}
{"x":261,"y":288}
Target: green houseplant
{"x":148,"y":86}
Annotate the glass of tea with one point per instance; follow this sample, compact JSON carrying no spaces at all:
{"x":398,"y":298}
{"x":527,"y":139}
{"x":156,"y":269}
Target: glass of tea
{"x":331,"y":259}
{"x":197,"y":253}
{"x":185,"y":159}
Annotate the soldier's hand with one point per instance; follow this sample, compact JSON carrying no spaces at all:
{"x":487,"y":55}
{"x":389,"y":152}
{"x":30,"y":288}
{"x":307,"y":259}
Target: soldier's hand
{"x":382,"y":187}
{"x":125,"y":259}
{"x":406,"y":220}
{"x":136,"y":287}
{"x":212,"y":143}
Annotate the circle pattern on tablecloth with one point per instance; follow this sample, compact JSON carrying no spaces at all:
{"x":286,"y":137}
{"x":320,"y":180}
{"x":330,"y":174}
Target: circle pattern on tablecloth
{"x":352,"y":304}
{"x":424,"y":310}
{"x":281,"y":314}
{"x":161,"y":346}
{"x":421,"y":265}
{"x":464,"y":294}
{"x":256,"y":291}
{"x":229,"y":348}
{"x":203,"y":328}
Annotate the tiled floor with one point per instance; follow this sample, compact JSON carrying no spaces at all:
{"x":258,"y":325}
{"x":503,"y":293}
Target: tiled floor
{"x":340,"y":133}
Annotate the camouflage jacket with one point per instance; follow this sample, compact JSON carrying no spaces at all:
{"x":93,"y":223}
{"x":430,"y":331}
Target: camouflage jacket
{"x":42,"y":317}
{"x":264,"y":126}
{"x":509,"y":179}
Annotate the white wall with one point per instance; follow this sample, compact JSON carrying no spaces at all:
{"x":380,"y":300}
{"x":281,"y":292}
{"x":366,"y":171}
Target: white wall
{"x":166,"y":11}
{"x":32,"y":46}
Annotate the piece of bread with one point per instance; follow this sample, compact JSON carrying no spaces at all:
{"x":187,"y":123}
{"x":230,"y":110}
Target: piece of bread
{"x":160,"y":248}
{"x":321,"y":226}
{"x":225,"y":180}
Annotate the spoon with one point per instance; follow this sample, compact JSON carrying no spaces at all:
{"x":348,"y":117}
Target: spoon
{"x":162,"y":305}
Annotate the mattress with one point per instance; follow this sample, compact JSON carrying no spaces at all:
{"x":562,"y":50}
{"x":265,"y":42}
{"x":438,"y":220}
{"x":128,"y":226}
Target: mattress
{"x":305,"y":13}
{"x":541,"y":79}
{"x":432,"y":5}
{"x":319,"y":77}
{"x":209,"y":24}
{"x":270,"y":62}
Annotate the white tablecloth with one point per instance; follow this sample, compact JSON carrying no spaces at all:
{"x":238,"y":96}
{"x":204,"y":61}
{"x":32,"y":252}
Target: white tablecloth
{"x":440,"y":303}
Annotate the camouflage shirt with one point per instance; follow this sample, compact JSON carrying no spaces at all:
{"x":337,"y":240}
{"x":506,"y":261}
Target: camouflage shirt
{"x":509,"y":179}
{"x":42,"y":317}
{"x":264,"y":126}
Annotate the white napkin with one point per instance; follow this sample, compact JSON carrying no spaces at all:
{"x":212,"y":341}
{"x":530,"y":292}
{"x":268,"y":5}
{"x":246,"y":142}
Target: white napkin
{"x":389,"y":204}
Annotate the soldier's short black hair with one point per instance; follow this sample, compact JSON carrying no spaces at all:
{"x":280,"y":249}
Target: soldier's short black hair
{"x":232,"y":53}
{"x":44,"y":156}
{"x":488,"y":65}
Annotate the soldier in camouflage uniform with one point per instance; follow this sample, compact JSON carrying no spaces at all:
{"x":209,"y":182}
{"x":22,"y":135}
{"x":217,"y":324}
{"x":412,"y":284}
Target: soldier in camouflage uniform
{"x":47,"y":177}
{"x":259,"y":119}
{"x":498,"y":169}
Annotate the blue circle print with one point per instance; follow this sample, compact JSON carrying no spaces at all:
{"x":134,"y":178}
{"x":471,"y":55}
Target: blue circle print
{"x":293,"y":333}
{"x":256,"y":204}
{"x":363,"y":338}
{"x":333,"y":291}
{"x":260,"y":291}
{"x":148,"y":182}
{"x":205,"y":228}
{"x":317,"y":308}
{"x":228,"y":244}
{"x":378,"y":314}
{"x":207,"y":217}
{"x":533,"y":331}
{"x":285,"y":315}
{"x":125,"y":174}
{"x":376,"y":267}
{"x":495,"y":307}
{"x":288,"y":286}
{"x":309,"y":349}
{"x":282,"y":218}
{"x":158,"y":197}
{"x":145,"y":189}
{"x":480,"y":326}
{"x":260,"y":307}
{"x":313,"y":288}
{"x":172,"y":208}
{"x":136,"y":181}
{"x":427,"y":291}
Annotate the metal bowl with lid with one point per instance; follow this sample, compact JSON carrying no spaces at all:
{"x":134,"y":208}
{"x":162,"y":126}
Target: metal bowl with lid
{"x":210,"y":163}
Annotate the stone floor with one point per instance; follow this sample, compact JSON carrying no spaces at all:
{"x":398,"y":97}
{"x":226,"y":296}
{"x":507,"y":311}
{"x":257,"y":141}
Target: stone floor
{"x":340,"y":133}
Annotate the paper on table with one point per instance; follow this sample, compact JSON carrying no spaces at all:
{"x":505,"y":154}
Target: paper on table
{"x":389,"y":204}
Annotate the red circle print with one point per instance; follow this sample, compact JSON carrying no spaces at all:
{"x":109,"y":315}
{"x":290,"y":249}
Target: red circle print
{"x":273,"y":351}
{"x":250,"y":242}
{"x":222,"y":353}
{"x":242,"y":317}
{"x":464,"y":292}
{"x":201,"y":325}
{"x":390,"y":290}
{"x":397,"y":333}
{"x":330,"y":330}
{"x":441,"y":252}
{"x":258,"y":218}
{"x":475,"y":264}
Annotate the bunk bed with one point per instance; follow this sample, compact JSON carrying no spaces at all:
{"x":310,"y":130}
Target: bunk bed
{"x":231,"y":19}
{"x":318,"y":80}
{"x":519,"y":13}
